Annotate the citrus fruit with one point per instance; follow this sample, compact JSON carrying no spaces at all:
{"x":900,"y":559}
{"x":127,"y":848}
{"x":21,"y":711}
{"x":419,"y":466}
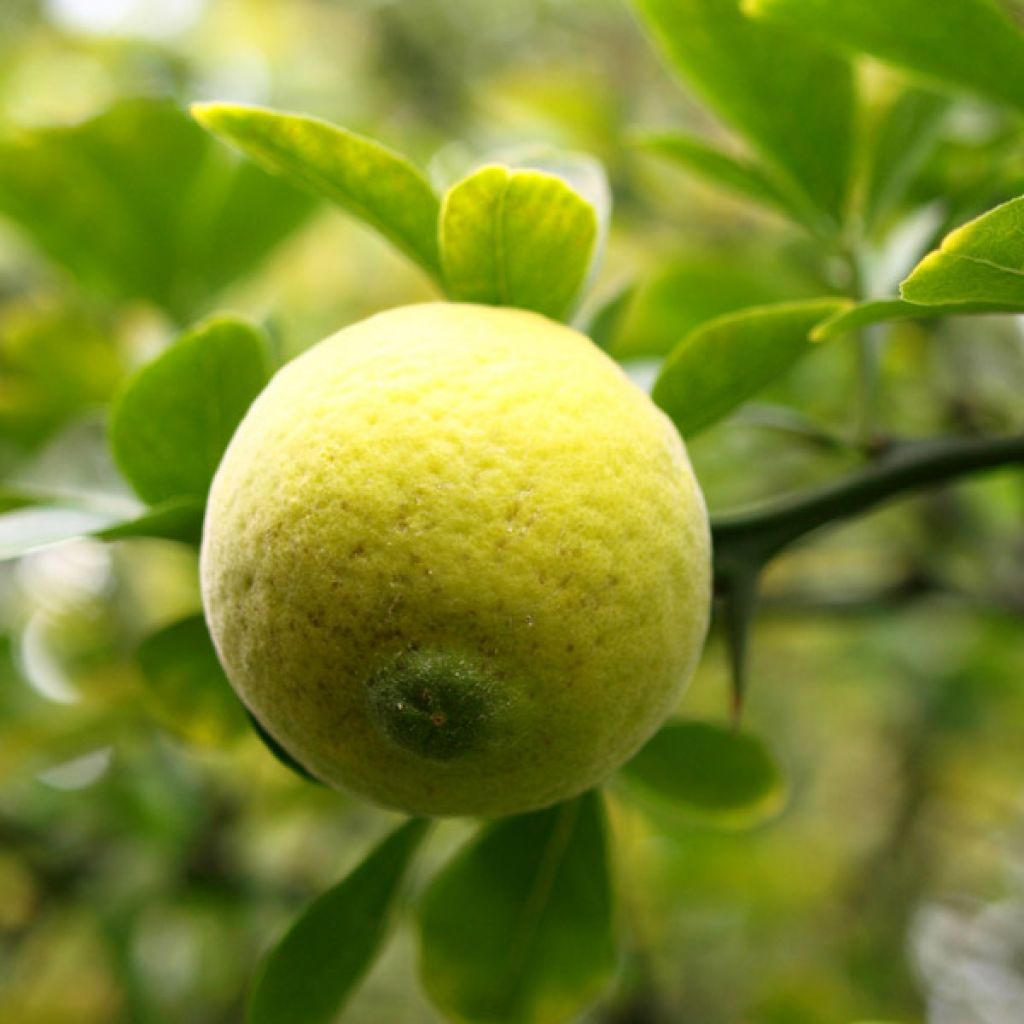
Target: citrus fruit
{"x":455,"y":561}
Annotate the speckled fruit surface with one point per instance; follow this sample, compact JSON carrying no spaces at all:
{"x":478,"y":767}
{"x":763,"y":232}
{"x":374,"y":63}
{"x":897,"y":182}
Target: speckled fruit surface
{"x":456,"y":562}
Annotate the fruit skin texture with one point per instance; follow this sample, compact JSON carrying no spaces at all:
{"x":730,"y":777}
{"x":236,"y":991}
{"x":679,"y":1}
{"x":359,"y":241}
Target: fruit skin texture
{"x":456,"y":562}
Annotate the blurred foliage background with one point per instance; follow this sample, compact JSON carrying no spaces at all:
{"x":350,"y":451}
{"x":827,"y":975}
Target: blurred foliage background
{"x":150,"y":848}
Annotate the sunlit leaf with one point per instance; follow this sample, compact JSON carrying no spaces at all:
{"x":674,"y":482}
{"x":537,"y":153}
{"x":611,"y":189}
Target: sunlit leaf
{"x":980,"y":262}
{"x":586,"y":176}
{"x":174,"y":418}
{"x":139,"y":203}
{"x":583,"y":173}
{"x":709,"y":771}
{"x":793,"y":102}
{"x":519,"y":238}
{"x":363,"y":177}
{"x":728,"y":360}
{"x":972,"y":44}
{"x":310,"y":974}
{"x":518,"y":927}
{"x":188,"y":689}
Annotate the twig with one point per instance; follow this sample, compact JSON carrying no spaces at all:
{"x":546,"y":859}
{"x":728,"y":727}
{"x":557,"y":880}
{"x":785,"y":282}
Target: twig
{"x":753,"y":538}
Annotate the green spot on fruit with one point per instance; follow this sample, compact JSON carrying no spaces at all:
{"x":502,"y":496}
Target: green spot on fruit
{"x":437,"y":705}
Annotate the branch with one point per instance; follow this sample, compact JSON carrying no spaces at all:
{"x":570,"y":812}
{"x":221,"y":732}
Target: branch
{"x":752,"y":538}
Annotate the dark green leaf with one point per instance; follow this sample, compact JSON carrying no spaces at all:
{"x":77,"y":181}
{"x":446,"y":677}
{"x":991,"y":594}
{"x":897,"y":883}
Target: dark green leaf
{"x":710,"y":771}
{"x":308,"y":976}
{"x":887,"y":310}
{"x":972,"y":44}
{"x":980,"y":262}
{"x":188,"y":689}
{"x":363,"y":177}
{"x":174,"y":418}
{"x":279,"y":753}
{"x":794,"y":103}
{"x":517,"y":929}
{"x":721,"y":169}
{"x":728,"y":360}
{"x":517,"y":238}
{"x":140,"y":203}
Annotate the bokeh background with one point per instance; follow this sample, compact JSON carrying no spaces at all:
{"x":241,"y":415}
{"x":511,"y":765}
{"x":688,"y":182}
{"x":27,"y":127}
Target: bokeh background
{"x":150,"y":848}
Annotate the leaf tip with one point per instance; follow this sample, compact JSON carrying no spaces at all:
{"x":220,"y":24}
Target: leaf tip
{"x":204,"y":112}
{"x":832,"y":324}
{"x":216,"y":115}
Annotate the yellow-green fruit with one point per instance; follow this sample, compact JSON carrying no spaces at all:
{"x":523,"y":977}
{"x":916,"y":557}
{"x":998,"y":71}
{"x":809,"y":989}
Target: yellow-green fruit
{"x":455,"y":561}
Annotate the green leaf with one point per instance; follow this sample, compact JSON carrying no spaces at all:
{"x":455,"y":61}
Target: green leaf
{"x":310,"y":974}
{"x":363,"y":177}
{"x":901,"y":141}
{"x":696,"y":287}
{"x":56,"y":363}
{"x":721,"y":169}
{"x":516,"y":238}
{"x":517,"y":929}
{"x":584,"y":174}
{"x":887,"y":310}
{"x":709,"y":771}
{"x":794,"y":103}
{"x":980,"y":262}
{"x":972,"y":44}
{"x":30,"y":520}
{"x":179,"y":519}
{"x":728,"y":360}
{"x":14,"y":498}
{"x":139,"y":203}
{"x":174,"y":418}
{"x":188,"y":690}
{"x":32,"y":528}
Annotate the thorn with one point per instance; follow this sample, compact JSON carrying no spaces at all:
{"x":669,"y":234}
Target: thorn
{"x":739,"y":604}
{"x":736,"y":709}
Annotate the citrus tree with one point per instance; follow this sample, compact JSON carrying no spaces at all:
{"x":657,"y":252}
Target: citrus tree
{"x":453,"y":559}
